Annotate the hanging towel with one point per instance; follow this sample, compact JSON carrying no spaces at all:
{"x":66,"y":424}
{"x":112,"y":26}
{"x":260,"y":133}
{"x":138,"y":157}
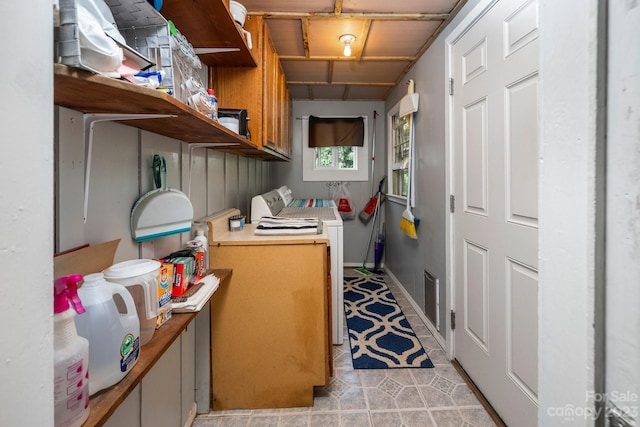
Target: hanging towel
{"x":280,"y":226}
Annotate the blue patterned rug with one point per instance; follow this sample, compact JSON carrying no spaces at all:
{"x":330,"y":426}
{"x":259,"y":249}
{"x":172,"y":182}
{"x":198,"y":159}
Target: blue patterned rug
{"x":380,"y":335}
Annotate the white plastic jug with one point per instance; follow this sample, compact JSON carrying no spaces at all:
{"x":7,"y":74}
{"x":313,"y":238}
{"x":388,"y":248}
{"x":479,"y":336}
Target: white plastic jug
{"x":112,"y":327}
{"x":140,"y":277}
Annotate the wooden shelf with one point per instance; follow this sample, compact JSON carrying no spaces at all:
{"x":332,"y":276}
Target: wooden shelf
{"x":93,"y":93}
{"x":209,"y":24}
{"x":104,"y":403}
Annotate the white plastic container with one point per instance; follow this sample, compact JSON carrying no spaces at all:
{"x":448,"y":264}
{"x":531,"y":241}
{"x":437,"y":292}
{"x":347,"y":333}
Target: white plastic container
{"x":140,"y":277}
{"x":204,"y":243}
{"x":70,"y":357}
{"x":112,"y":327}
{"x":230,"y":123}
{"x":238,"y":11}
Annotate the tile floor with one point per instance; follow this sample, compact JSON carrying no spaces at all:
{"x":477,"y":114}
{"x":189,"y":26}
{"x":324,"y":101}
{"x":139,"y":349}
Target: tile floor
{"x":419,"y":397}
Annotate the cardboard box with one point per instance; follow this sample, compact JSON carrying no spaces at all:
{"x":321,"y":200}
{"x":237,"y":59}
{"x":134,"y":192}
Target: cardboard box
{"x":184,"y":267}
{"x":201,"y":268}
{"x":85,"y":260}
{"x":165,"y":287}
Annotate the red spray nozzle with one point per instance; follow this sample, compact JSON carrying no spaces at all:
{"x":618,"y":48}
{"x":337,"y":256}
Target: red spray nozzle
{"x":65,"y":292}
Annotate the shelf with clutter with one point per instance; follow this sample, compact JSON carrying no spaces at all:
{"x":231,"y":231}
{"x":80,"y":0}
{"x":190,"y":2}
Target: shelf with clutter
{"x":151,"y":43}
{"x":89,"y":259}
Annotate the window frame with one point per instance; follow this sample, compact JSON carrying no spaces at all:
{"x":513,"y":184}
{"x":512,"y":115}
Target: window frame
{"x":335,"y":158}
{"x":395,"y":111}
{"x":311,"y":173}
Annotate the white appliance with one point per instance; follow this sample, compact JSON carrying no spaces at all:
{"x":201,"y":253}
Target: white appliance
{"x":280,"y":202}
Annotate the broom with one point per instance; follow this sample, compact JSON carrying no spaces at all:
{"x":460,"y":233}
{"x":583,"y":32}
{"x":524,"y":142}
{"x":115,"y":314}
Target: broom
{"x":363,"y":270}
{"x":365,"y":214}
{"x":408,"y":221}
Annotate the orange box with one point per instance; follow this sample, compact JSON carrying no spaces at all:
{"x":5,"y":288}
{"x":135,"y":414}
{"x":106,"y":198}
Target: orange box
{"x":165,"y":288}
{"x":200,"y":270}
{"x":184,"y":267}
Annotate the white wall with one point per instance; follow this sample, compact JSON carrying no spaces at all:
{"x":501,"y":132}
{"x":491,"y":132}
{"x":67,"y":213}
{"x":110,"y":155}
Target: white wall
{"x":356,"y":234}
{"x":623,"y":210}
{"x":568,"y":202}
{"x":26,"y":222}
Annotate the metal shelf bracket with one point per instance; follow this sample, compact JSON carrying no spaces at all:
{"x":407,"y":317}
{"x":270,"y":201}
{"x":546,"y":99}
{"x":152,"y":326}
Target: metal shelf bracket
{"x":88,"y":120}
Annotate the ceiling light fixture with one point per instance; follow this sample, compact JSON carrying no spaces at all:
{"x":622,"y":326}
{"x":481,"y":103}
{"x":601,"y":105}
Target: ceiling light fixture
{"x":347,"y":39}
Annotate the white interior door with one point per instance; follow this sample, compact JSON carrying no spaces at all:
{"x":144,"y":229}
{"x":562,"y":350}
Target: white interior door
{"x":494,"y":122}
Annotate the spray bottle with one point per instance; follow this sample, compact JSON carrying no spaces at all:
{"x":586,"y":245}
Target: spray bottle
{"x":71,"y":356}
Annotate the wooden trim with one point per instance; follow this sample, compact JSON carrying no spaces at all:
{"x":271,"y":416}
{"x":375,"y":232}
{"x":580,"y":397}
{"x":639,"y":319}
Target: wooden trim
{"x":474,"y":388}
{"x":343,"y":83}
{"x":360,"y":15}
{"x":346,"y":58}
{"x":105,"y":402}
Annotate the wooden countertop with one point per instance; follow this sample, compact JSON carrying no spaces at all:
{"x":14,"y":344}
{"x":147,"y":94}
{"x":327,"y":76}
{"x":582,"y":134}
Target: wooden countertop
{"x":247,"y":236}
{"x":104,"y":403}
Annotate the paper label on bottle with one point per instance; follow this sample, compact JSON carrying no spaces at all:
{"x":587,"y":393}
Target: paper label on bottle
{"x":129,"y":350}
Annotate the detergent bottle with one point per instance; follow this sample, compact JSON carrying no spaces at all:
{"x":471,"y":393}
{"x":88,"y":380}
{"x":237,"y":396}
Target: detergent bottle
{"x":112,"y":327}
{"x":71,"y":356}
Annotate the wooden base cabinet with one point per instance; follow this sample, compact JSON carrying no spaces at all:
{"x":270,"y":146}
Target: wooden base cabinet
{"x":270,"y":323}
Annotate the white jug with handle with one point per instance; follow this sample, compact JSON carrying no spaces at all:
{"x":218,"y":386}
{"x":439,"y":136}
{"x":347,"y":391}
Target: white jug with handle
{"x":140,"y":277}
{"x":111,"y":325}
{"x":247,"y":35}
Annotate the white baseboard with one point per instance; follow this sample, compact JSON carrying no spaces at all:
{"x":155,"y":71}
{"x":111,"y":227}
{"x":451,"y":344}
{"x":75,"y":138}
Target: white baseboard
{"x":192,"y":415}
{"x":434,"y":331}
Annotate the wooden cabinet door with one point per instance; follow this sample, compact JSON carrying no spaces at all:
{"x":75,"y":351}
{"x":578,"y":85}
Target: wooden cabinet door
{"x":262,"y":91}
{"x":243,"y":87}
{"x":270,"y":113}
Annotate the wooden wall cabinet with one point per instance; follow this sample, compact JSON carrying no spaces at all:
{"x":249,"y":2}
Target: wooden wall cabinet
{"x":262,"y":91}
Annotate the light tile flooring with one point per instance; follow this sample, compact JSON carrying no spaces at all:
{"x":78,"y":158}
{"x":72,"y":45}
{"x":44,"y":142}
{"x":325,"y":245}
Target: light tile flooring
{"x":417,"y":397}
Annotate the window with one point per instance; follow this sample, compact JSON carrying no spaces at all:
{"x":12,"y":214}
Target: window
{"x":400,"y":129}
{"x":327,"y":163}
{"x":336,"y":158}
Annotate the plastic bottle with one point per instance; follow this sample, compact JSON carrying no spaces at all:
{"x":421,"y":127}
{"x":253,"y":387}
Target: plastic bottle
{"x":204,"y":243}
{"x":112,"y":327}
{"x":214,"y":103}
{"x":71,"y":356}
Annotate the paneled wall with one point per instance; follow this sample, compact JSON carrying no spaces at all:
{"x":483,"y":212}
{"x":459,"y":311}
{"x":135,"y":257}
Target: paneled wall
{"x":121,"y":171}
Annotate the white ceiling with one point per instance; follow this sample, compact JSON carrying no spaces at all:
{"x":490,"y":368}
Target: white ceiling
{"x":390,"y":36}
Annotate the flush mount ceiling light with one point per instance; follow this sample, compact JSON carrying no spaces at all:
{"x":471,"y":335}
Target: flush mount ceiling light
{"x":347,"y":39}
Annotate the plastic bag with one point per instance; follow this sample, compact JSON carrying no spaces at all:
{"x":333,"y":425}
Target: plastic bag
{"x":98,"y":35}
{"x":343,"y":200}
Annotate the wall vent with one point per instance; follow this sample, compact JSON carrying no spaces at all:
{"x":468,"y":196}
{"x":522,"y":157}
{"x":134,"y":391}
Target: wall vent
{"x":432,"y":298}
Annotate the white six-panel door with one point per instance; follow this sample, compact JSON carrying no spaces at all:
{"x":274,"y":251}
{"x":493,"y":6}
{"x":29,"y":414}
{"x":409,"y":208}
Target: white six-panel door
{"x":494,"y":161}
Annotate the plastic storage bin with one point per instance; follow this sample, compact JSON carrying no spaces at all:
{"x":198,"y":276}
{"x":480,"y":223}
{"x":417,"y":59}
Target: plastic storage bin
{"x":143,"y":28}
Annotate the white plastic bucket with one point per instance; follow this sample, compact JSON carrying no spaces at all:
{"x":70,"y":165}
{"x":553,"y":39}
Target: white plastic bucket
{"x":111,"y":325}
{"x":140,"y":277}
{"x":238,"y":11}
